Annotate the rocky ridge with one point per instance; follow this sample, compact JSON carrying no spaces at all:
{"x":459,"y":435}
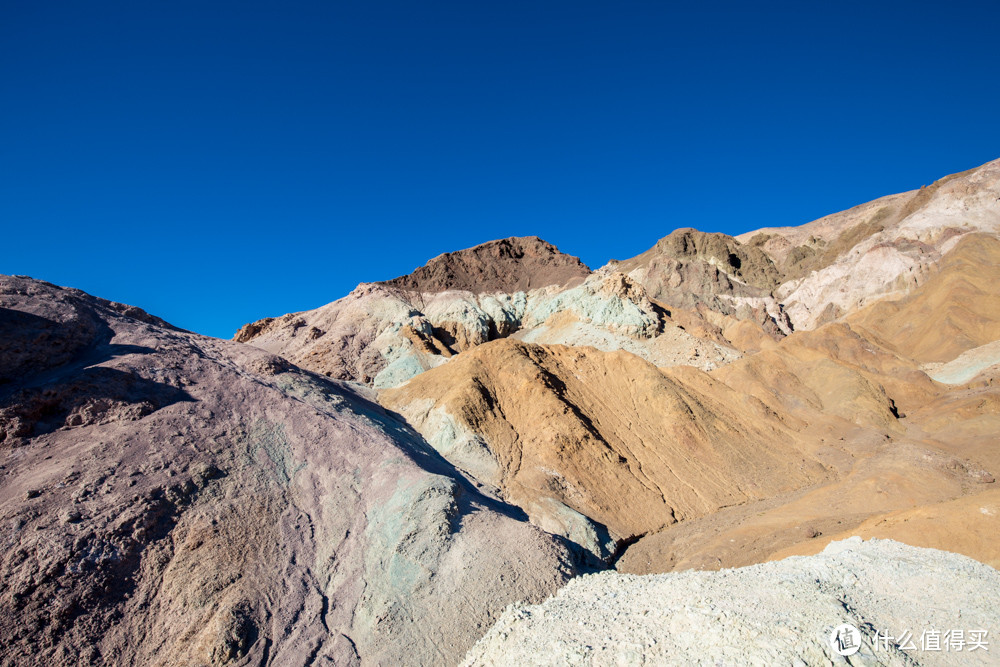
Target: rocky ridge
{"x":849,"y":401}
{"x":693,"y":298}
{"x":383,"y":335}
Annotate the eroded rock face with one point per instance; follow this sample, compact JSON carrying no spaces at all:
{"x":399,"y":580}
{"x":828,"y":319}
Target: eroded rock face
{"x":689,"y":266}
{"x":876,"y":294}
{"x":168,"y":498}
{"x":955,"y":310}
{"x":383,"y":336}
{"x":694,"y":298}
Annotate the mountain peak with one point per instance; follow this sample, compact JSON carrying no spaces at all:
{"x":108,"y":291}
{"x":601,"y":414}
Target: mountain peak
{"x":505,"y":265}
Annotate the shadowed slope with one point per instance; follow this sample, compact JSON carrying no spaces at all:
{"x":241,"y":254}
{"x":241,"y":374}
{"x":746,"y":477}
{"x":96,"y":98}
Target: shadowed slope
{"x":175,"y":499}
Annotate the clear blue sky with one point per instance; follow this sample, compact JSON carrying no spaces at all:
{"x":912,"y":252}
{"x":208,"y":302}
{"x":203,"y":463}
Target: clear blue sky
{"x":218,"y":162}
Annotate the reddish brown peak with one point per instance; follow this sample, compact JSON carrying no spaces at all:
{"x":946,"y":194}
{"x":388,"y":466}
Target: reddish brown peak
{"x":507,"y":265}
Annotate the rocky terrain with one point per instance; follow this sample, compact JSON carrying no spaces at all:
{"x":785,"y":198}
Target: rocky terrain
{"x":576,"y":436}
{"x":908,"y":604}
{"x":383,"y":334}
{"x":376,"y":480}
{"x":507,"y":265}
{"x":172,"y":499}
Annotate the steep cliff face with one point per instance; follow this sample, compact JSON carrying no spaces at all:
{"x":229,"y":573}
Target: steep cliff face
{"x":174,"y":499}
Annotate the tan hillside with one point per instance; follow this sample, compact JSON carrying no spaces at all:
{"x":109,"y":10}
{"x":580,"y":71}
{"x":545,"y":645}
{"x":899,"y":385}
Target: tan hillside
{"x":833,"y":372}
{"x":606,"y":434}
{"x":969,"y":525}
{"x":843,"y":262}
{"x":956,"y":309}
{"x":921,"y":473}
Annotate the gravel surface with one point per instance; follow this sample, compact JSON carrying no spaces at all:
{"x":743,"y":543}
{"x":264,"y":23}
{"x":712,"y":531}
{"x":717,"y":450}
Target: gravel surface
{"x":777,"y":613}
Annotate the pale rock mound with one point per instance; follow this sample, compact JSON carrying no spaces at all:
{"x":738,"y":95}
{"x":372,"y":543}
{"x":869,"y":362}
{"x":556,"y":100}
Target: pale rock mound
{"x":966,"y":367}
{"x":775,"y":613}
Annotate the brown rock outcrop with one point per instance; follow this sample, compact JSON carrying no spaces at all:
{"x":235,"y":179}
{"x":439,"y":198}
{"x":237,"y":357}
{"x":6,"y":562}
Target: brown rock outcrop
{"x":506,"y":265}
{"x":691,"y":269}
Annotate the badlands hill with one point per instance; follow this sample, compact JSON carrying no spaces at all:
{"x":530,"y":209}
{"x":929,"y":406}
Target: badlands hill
{"x":172,"y":499}
{"x":715,"y":400}
{"x":376,"y":480}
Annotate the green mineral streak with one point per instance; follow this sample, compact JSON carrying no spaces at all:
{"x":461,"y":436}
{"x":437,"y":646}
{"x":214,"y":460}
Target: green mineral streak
{"x":268,"y":446}
{"x":409,"y":535}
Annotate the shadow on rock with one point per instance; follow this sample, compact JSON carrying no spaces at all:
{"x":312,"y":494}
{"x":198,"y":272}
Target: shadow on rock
{"x":95,"y":395}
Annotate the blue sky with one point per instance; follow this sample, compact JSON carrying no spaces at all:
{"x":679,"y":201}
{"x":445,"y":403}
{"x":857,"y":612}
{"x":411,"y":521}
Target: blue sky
{"x":218,"y":162}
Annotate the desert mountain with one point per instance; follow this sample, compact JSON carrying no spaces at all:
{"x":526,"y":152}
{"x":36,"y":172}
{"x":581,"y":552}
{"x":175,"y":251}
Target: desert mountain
{"x":571,"y":434}
{"x":694,"y":298}
{"x":170,"y":498}
{"x":711,"y":272}
{"x":383,"y":334}
{"x":815,"y":415}
{"x":508,"y":265}
{"x":591,"y":443}
{"x":838,"y":264}
{"x":954,"y":311}
{"x":376,"y":480}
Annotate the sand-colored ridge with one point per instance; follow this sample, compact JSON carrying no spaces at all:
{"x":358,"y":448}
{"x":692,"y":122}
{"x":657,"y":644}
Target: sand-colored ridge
{"x":955,"y":310}
{"x":606,"y":434}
